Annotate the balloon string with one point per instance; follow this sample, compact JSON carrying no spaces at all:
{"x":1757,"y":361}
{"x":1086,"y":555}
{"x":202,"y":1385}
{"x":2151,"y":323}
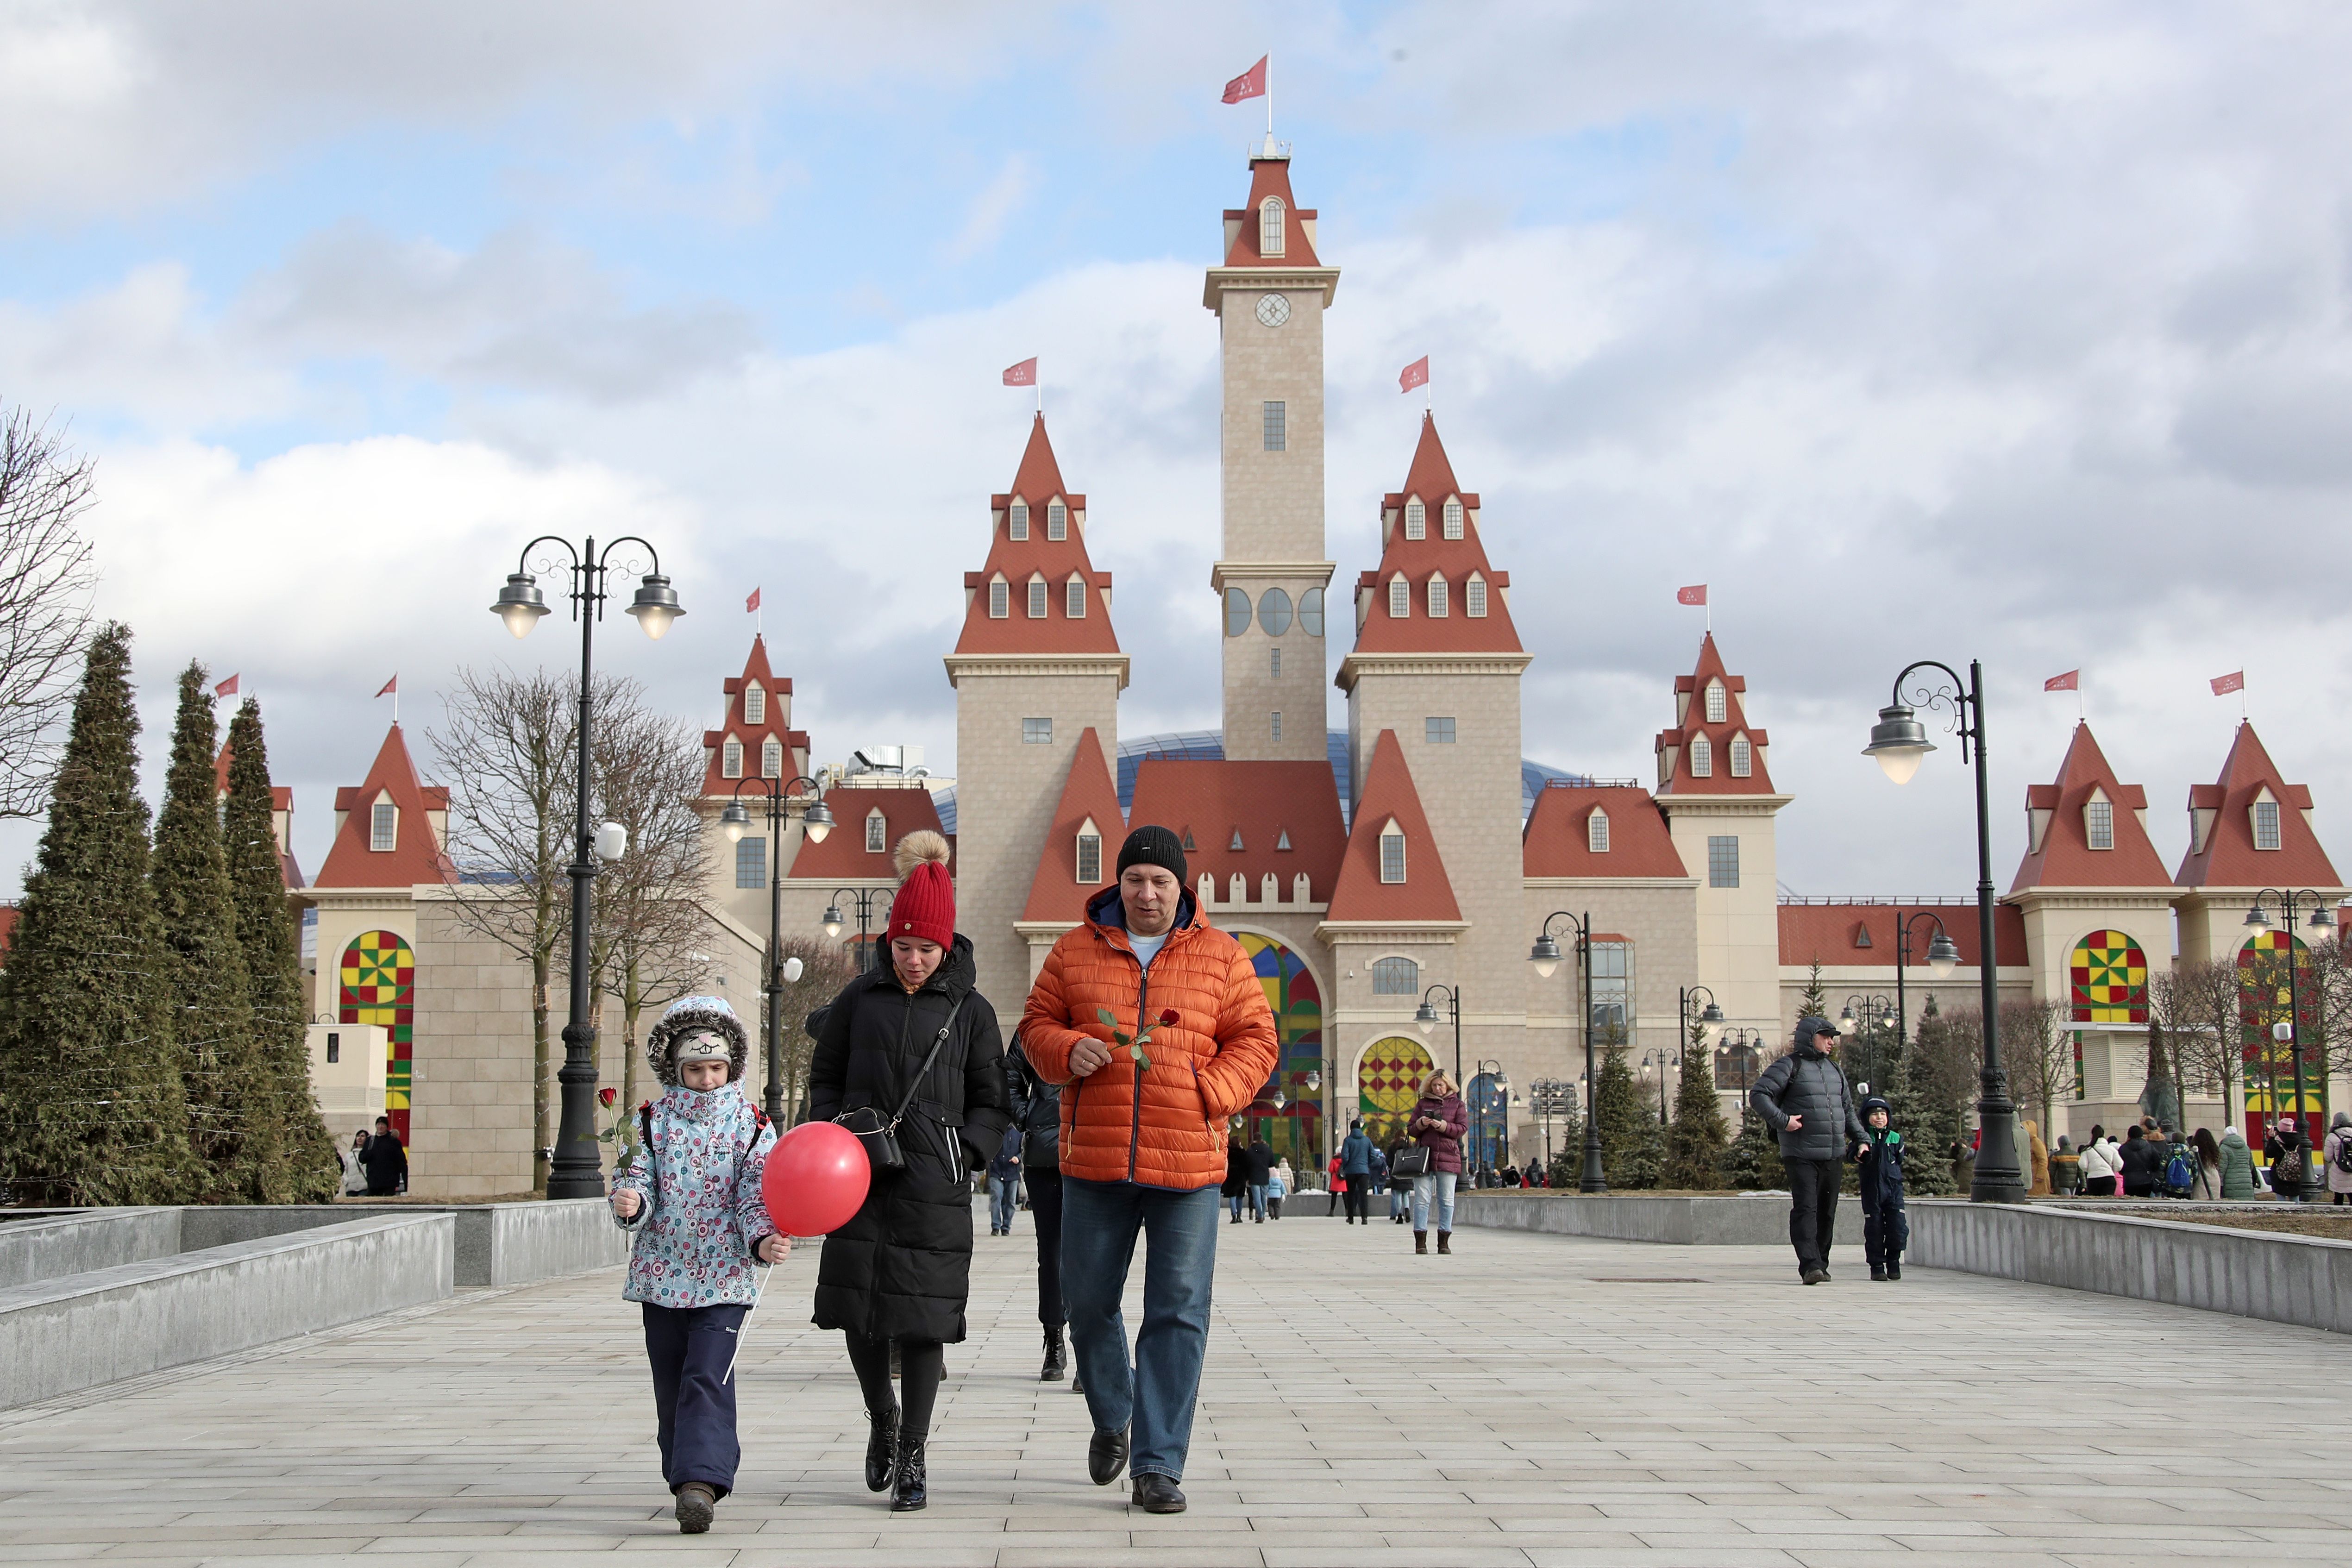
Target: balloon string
{"x":744,"y":1327}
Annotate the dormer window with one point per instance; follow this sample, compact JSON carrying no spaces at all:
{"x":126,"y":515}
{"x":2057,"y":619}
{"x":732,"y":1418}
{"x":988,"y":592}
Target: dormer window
{"x":1000,"y":599}
{"x":1474,"y":597}
{"x":1090,"y":855}
{"x":1017,"y":522}
{"x":1036,"y":598}
{"x":1437,"y":606}
{"x":1743,"y":757}
{"x":1270,"y":227}
{"x":1392,"y":853}
{"x":2099,"y":824}
{"x":384,"y":827}
{"x":1416,"y":520}
{"x":1074,"y":598}
{"x":877,"y":832}
{"x":1596,"y":832}
{"x":1282,"y":840}
{"x":730,"y":759}
{"x":755,"y":704}
{"x":2266,"y":825}
{"x":1235,"y":847}
{"x":771,"y":758}
{"x":1453,"y":517}
{"x":1057,"y":521}
{"x":1399,"y":598}
{"x":1702,"y":758}
{"x":1717,"y":707}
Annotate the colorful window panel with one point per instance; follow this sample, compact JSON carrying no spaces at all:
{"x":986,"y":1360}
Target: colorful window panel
{"x":2108,"y":980}
{"x":1387,"y":1082}
{"x":379,"y":987}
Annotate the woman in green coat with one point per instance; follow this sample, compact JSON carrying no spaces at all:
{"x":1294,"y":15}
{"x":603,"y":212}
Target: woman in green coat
{"x":2237,"y":1168}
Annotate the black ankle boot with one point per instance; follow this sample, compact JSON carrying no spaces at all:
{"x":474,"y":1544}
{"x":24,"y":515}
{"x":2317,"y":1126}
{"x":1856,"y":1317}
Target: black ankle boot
{"x":881,"y":1438}
{"x":1057,"y":1360}
{"x":909,"y":1486}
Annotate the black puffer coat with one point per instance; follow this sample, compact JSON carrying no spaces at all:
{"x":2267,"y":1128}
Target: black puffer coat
{"x":901,"y":1268}
{"x":1807,"y":1083}
{"x":1036,"y":1110}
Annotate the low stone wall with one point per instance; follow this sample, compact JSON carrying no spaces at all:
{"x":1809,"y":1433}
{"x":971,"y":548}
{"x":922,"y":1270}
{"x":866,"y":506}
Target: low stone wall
{"x":62,"y":1334}
{"x":495,"y":1244}
{"x":2261,"y":1274}
{"x":1747,"y":1219}
{"x":74,"y":1242}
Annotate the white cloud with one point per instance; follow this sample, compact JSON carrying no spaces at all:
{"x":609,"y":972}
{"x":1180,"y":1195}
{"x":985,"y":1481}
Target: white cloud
{"x":992,"y":208}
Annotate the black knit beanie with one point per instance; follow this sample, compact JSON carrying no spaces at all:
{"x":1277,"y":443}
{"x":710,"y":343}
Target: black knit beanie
{"x":1153,"y":845}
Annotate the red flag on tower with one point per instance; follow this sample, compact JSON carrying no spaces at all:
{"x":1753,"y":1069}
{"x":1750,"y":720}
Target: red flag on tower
{"x":2070,"y":682}
{"x":2225,"y":684}
{"x":1694,"y":594}
{"x":391,"y":688}
{"x":1021,"y":374}
{"x":1415,"y":375}
{"x":227,"y":688}
{"x":752,"y":605}
{"x":1251,"y":83}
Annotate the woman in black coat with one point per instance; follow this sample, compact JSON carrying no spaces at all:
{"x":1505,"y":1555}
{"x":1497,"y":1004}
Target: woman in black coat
{"x":900,"y":1270}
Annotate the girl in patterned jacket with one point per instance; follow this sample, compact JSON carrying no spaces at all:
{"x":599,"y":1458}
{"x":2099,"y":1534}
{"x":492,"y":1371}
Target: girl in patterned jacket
{"x":690,"y":1200}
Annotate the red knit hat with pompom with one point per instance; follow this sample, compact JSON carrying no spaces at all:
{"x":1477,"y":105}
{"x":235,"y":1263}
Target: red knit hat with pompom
{"x":925,"y":906}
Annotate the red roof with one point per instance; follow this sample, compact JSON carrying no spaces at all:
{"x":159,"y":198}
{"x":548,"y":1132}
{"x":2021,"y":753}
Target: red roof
{"x":1037,"y":483}
{"x":1088,"y":793}
{"x":416,"y":856}
{"x":1674,"y":749}
{"x":7,"y":927}
{"x":2066,"y":858}
{"x":1558,"y":841}
{"x":843,"y":853}
{"x":776,"y":720}
{"x":1270,"y":176}
{"x":1832,"y":934}
{"x":2229,"y":858}
{"x":1265,"y":803}
{"x":1425,"y":894}
{"x":1430,"y":481}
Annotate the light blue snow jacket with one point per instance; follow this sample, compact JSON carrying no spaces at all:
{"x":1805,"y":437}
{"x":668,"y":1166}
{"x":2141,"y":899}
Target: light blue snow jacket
{"x":702,"y":1214}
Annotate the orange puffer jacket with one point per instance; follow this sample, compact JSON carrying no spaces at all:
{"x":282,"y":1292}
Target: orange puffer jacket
{"x":1163,"y":1126}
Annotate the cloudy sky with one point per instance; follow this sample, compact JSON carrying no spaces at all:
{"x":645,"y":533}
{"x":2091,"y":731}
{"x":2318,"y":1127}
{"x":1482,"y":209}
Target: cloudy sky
{"x":2017,"y":333}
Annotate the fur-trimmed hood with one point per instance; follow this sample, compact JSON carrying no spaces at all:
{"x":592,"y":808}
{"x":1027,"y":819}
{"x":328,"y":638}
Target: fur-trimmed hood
{"x":689,"y":1013}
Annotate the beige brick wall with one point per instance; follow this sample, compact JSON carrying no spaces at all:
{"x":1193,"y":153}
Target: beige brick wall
{"x":471,"y":1132}
{"x":1252,"y":692}
{"x":1273,"y":501}
{"x":1739,"y":927}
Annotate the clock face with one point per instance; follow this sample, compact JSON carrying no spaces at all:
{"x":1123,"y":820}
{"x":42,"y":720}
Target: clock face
{"x":1273,"y":310}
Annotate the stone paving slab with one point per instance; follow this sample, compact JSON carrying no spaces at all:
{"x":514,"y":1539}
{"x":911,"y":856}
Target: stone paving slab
{"x":1533,"y":1400}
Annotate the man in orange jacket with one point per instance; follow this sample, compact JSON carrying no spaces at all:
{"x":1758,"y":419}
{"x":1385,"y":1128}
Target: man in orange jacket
{"x":1158,"y":1028}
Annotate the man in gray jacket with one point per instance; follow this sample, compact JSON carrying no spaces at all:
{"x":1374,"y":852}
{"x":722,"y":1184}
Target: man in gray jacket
{"x":1803,"y":1098}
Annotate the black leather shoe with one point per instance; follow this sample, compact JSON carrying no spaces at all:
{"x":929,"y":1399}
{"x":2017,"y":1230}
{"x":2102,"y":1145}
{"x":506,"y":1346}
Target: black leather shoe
{"x":1158,"y":1494}
{"x":881,"y":1438}
{"x":1057,"y":1364}
{"x":1105,"y":1457}
{"x":910,"y":1487}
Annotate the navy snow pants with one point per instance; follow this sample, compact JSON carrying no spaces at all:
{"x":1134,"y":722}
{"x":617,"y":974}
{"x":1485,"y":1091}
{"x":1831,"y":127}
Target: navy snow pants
{"x":690,"y":1348}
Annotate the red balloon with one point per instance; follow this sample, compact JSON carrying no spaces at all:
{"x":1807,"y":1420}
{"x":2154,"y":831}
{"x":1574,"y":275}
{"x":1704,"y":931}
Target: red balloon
{"x":815,"y":1179}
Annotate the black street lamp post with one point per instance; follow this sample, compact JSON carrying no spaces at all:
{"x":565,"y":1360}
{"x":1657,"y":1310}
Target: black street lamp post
{"x":1943,"y":957}
{"x":2257,"y":917}
{"x":1426,"y":1018}
{"x":1875,"y":1008}
{"x":575,"y":1171}
{"x":1709,"y":1022}
{"x":1498,"y":1092}
{"x":867,"y":900}
{"x":1546,"y":956}
{"x":1548,"y":1098}
{"x":817,"y":822}
{"x":1899,"y":742}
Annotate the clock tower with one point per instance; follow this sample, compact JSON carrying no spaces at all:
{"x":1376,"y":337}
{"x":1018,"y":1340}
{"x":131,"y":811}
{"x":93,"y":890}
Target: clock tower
{"x":1269,"y":297}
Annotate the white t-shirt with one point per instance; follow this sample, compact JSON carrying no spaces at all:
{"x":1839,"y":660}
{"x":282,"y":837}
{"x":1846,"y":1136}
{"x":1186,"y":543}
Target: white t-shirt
{"x":1147,"y":948}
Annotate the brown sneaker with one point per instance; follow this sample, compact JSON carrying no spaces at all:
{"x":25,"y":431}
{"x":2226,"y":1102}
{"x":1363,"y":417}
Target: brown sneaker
{"x":696,"y":1505}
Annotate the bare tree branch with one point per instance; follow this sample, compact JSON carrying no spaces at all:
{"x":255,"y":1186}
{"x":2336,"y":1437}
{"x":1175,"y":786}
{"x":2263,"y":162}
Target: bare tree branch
{"x":45,"y":587}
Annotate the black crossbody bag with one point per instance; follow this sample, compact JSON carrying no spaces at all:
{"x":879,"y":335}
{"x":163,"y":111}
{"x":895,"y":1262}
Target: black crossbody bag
{"x":880,"y":1137}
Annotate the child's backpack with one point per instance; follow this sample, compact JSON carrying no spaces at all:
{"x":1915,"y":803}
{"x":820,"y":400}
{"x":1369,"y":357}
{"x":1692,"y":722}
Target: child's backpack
{"x":2343,"y":1153}
{"x":2177,"y":1175}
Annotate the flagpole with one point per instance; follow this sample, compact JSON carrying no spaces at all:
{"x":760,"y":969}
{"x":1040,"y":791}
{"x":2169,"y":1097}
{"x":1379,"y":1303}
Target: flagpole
{"x":1269,"y":95}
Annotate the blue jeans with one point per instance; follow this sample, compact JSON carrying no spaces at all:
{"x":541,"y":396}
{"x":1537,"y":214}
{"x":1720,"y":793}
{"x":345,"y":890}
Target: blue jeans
{"x":1155,"y":1396}
{"x":1399,"y":1199}
{"x":1439,"y":1186}
{"x":691,"y":1349}
{"x":1004,"y":1192}
{"x":1236,"y":1202}
{"x":1258,"y":1200}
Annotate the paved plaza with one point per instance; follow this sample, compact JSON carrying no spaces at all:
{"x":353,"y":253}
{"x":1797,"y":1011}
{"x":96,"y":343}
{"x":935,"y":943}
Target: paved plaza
{"x":1532,"y":1400}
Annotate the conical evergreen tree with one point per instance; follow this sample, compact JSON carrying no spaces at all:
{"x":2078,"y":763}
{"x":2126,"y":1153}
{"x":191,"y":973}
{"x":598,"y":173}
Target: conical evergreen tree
{"x":1930,"y":1106}
{"x":1699,"y":1138}
{"x":1815,"y":1002}
{"x":91,"y":1105}
{"x":229,"y":1129}
{"x":1629,"y":1135}
{"x":304,"y":1169}
{"x":1752,"y":1164}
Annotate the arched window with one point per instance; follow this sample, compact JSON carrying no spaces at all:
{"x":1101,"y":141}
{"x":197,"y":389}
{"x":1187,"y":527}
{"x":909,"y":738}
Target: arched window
{"x":1416,"y":520}
{"x":1074,"y":597}
{"x":1036,"y":598}
{"x":1000,"y":599}
{"x":2099,"y":824}
{"x":1743,"y":757}
{"x":1596,"y":832}
{"x":1274,"y":612}
{"x":1702,"y":757}
{"x":730,"y":759}
{"x":755,"y":704}
{"x":877,"y":832}
{"x":1019,"y":524}
{"x":1238,"y":611}
{"x":1453,"y":517}
{"x":1392,"y":853}
{"x":1058,"y":520}
{"x":1270,"y":227}
{"x":771,"y":758}
{"x":1474,"y":597}
{"x":1400,"y":597}
{"x":1437,"y":605}
{"x":1395,"y":977}
{"x":1310,"y":612}
{"x":1716,"y":703}
{"x":2108,"y":980}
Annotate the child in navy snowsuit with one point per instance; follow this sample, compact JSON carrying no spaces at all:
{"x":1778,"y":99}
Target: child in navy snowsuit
{"x":1884,"y":1226}
{"x":690,"y":1200}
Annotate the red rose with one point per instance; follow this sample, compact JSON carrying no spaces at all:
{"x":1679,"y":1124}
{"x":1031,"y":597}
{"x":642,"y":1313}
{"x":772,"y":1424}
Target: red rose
{"x":1168,"y":1018}
{"x":605,"y":1097}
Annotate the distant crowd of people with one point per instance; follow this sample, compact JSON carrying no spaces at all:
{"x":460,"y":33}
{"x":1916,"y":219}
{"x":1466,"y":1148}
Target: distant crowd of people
{"x":2155,"y":1160}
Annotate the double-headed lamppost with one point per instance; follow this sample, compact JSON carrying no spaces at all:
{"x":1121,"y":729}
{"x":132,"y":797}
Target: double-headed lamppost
{"x":1898,"y":740}
{"x":1546,"y":956}
{"x":2292,"y":1028}
{"x":1943,"y":957}
{"x":1548,"y":1098}
{"x":1709,"y":1021}
{"x":867,"y":901}
{"x":1874,"y":1010}
{"x":1426,"y":1018}
{"x":1498,"y":1093}
{"x":817,"y":821}
{"x":575,"y":1172}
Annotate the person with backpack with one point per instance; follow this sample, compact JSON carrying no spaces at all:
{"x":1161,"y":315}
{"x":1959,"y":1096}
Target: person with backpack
{"x":2208,"y":1165}
{"x":2288,"y":1152}
{"x":1355,"y":1170}
{"x":1804,"y":1097}
{"x":2336,"y":1150}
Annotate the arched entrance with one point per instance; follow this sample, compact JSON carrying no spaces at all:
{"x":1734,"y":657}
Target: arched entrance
{"x":379,"y":986}
{"x":1387,"y":1082}
{"x":1489,"y":1147}
{"x":1288,"y":1113}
